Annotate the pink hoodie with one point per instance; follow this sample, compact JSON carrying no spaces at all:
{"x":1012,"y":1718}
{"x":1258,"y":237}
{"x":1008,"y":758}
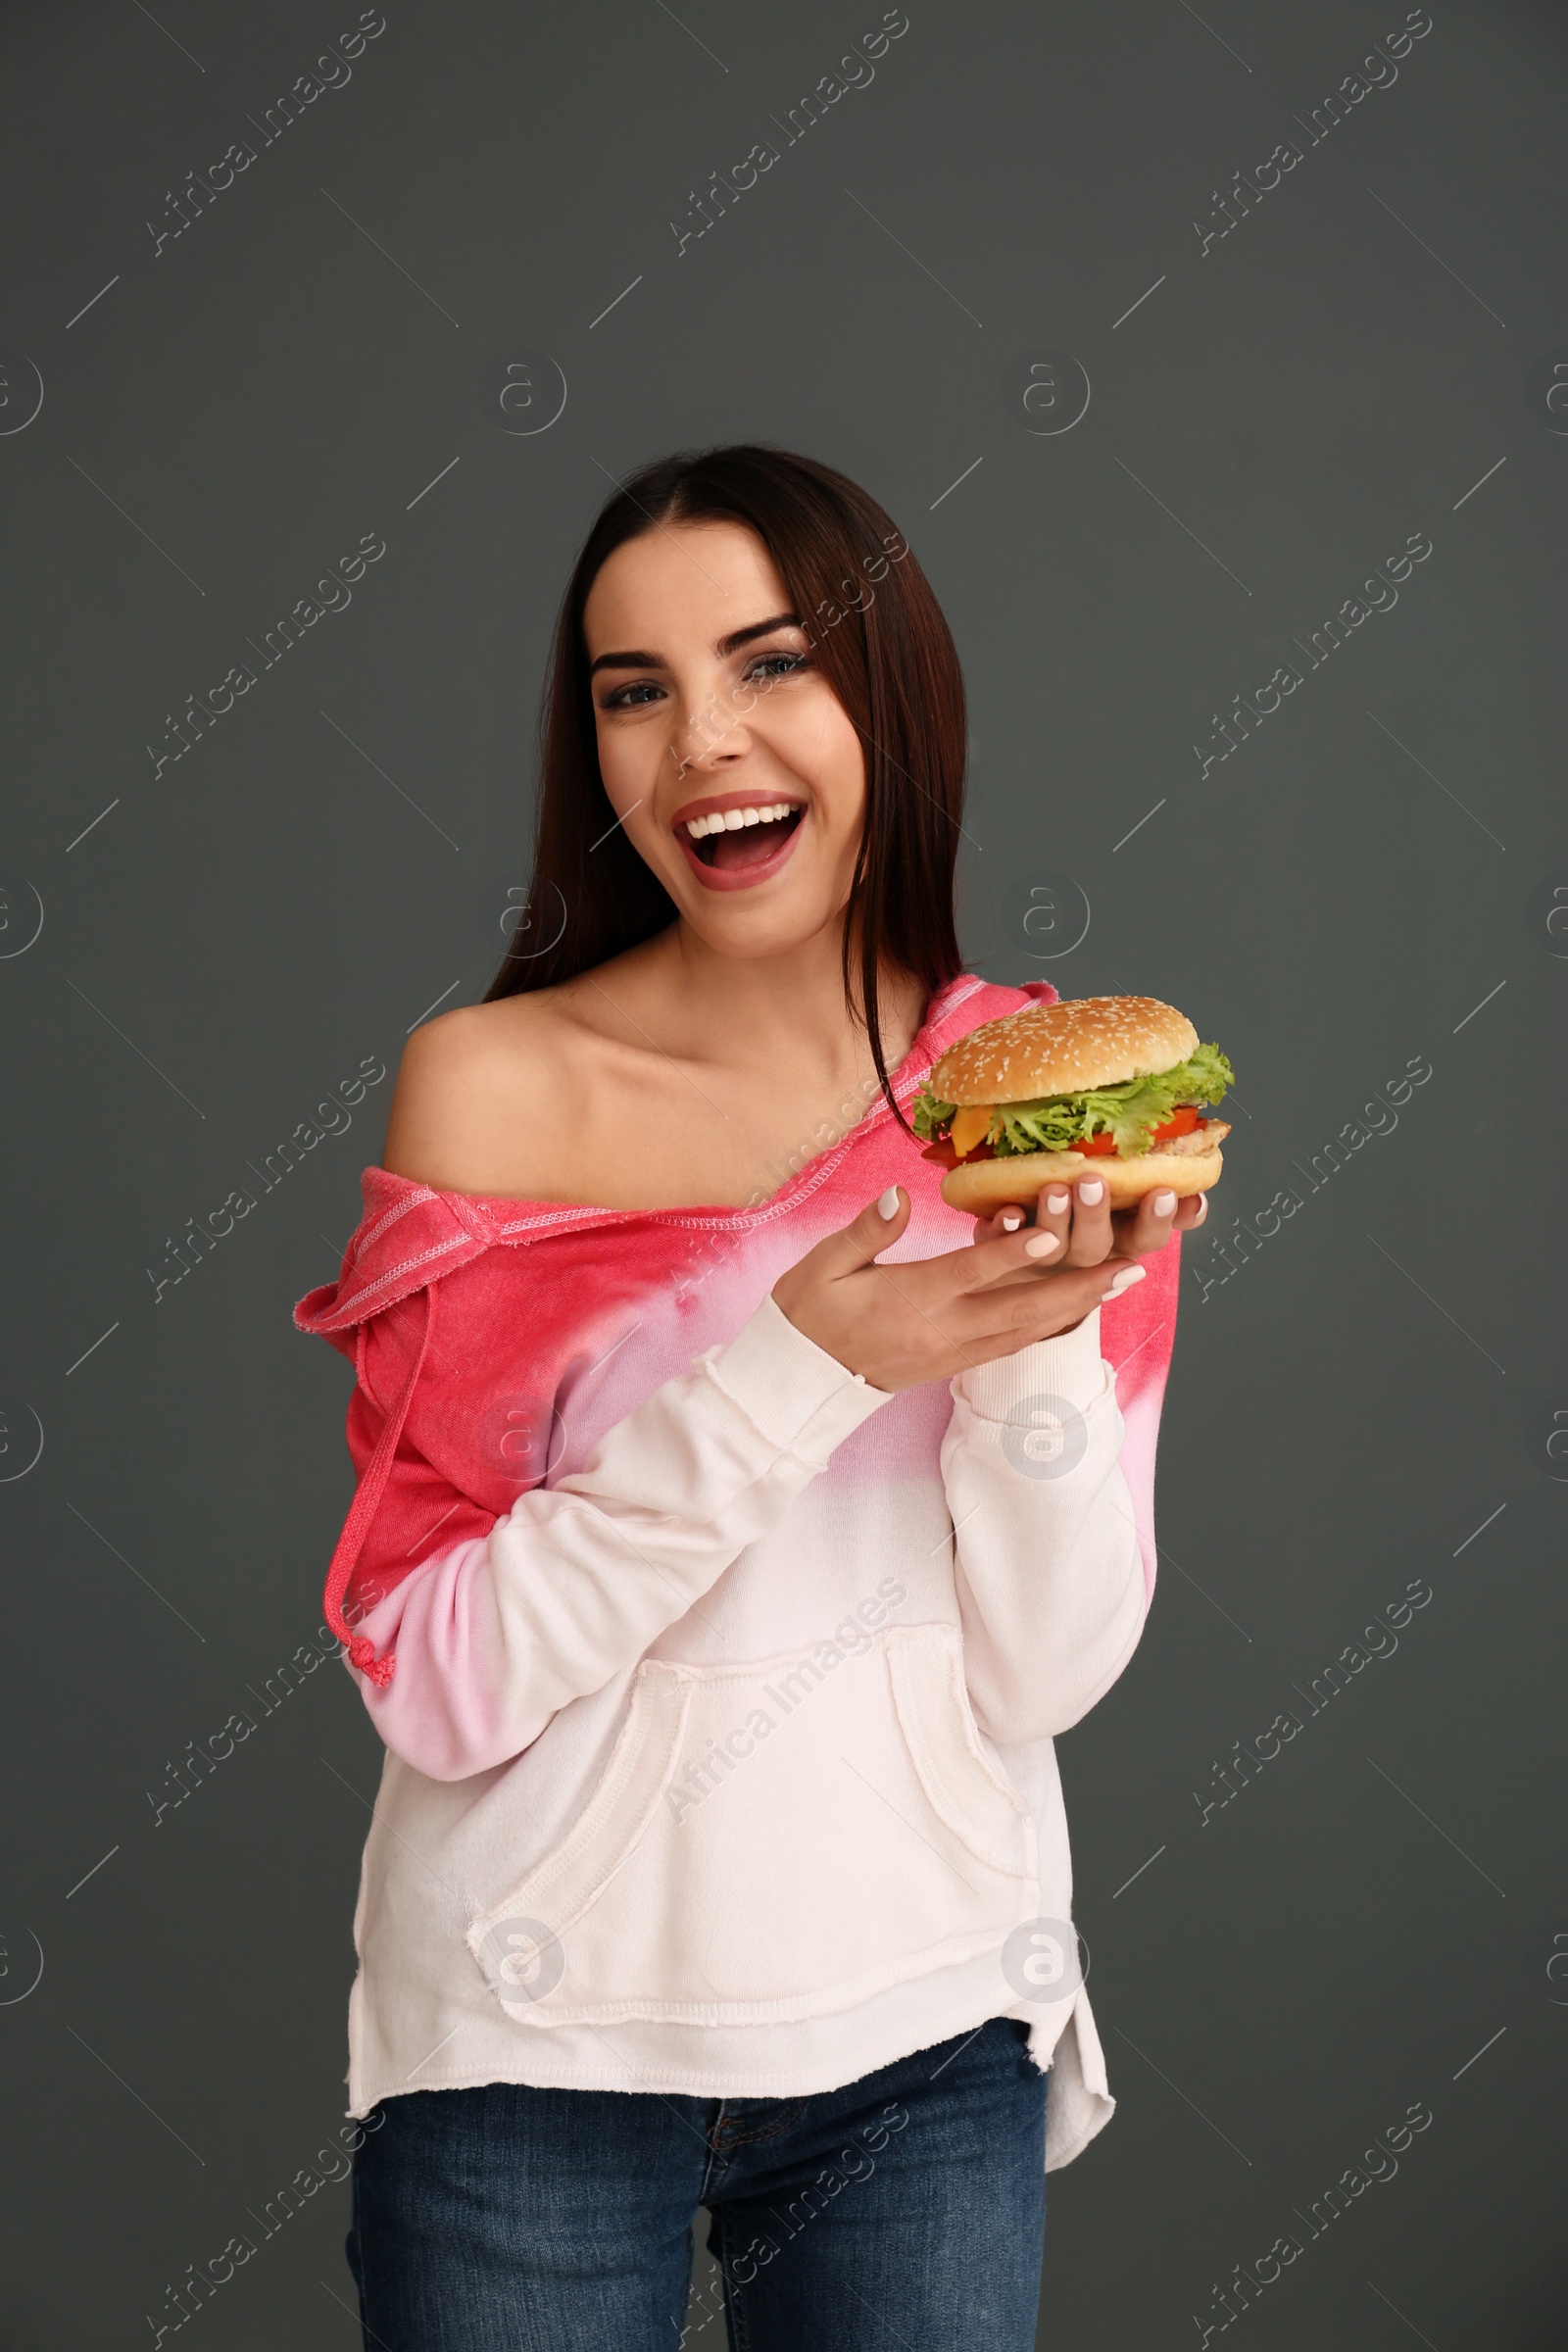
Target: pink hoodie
{"x":718,"y":1688}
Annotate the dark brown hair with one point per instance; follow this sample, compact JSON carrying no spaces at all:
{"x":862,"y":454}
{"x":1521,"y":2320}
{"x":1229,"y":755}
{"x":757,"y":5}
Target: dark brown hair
{"x":879,"y":638}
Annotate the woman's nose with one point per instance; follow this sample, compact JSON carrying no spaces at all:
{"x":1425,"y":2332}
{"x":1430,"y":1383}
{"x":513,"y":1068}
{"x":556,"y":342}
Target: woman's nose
{"x":711,"y":735}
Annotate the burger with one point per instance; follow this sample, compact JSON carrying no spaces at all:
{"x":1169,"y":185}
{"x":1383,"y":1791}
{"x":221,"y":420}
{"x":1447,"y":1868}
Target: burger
{"x":1111,"y":1084}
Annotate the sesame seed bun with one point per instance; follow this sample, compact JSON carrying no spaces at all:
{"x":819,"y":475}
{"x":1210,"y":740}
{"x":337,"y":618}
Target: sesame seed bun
{"x":1189,"y":1163}
{"x":1059,"y":1048}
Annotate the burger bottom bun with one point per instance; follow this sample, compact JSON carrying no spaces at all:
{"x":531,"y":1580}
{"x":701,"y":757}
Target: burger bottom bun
{"x":980,"y":1187}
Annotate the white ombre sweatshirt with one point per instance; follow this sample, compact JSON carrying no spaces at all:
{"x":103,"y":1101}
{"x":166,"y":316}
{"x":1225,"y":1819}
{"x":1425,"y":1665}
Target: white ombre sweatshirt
{"x":718,"y":1689}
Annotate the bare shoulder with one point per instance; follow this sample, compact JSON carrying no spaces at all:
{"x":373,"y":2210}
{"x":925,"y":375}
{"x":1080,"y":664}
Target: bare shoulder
{"x":478,"y":1090}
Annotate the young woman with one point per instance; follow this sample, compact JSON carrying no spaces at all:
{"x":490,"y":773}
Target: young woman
{"x":714,"y":1610}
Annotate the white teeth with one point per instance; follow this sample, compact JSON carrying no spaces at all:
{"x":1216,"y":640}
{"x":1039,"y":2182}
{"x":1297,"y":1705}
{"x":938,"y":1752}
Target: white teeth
{"x":731,"y":820}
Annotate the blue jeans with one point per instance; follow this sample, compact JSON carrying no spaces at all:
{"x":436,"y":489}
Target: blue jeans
{"x":905,"y":2209}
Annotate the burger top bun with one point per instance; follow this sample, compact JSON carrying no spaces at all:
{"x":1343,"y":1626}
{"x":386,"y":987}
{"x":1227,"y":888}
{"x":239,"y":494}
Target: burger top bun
{"x":1061,"y":1049}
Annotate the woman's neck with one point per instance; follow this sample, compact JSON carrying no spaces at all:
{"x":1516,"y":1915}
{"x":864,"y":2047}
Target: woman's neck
{"x":786,"y":1013}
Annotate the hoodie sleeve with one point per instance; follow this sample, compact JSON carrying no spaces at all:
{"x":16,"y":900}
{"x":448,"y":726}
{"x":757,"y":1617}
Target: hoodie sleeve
{"x":1048,"y":1463}
{"x":490,"y":1636}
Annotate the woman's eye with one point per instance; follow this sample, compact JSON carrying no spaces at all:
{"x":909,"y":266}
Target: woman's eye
{"x":629,"y":698}
{"x":776,"y":665}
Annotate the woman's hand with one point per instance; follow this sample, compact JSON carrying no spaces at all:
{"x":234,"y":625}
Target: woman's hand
{"x":1083,"y":1222}
{"x":936,"y":1316}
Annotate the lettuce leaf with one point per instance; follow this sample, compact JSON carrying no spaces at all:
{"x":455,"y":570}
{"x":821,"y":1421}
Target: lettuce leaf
{"x":930,"y":1116}
{"x":1126,"y":1111}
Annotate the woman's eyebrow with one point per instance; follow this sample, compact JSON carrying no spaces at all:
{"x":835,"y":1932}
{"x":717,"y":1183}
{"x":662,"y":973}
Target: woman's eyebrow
{"x":725,"y":647}
{"x":625,"y":661}
{"x":758,"y":628}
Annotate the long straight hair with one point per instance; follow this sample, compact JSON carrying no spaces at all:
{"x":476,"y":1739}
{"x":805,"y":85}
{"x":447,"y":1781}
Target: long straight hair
{"x":879,"y":638}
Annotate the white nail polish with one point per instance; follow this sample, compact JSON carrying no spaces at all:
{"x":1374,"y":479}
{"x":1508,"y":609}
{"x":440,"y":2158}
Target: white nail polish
{"x":1203,"y":1208}
{"x":1041,"y":1244}
{"x":1059,"y":1202}
{"x":1011,"y":1222}
{"x":1091,"y":1193}
{"x":887,"y":1208}
{"x":1125,"y":1279}
{"x":1163,"y":1203}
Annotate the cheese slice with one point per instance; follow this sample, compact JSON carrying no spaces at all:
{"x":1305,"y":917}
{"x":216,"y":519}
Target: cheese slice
{"x":970,"y":1127}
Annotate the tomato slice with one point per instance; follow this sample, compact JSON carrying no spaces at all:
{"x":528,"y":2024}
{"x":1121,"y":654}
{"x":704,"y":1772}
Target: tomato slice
{"x":944,"y":1156}
{"x":1182,"y":1121}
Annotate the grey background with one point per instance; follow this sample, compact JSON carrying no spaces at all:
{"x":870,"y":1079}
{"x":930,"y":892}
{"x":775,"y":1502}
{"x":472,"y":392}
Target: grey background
{"x":1371,"y":1385}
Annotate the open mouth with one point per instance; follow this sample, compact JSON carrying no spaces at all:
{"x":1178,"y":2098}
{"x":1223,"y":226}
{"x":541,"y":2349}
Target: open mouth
{"x":733,"y":845}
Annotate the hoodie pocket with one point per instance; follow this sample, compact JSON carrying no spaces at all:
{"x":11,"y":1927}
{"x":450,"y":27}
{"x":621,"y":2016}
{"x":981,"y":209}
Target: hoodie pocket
{"x":771,"y":1842}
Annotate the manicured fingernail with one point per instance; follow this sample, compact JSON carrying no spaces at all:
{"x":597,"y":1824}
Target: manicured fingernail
{"x":1059,"y":1202}
{"x":1011,"y":1220}
{"x":1125,"y":1280}
{"x":1203,"y":1208}
{"x":1090,"y":1192}
{"x":1041,"y":1244}
{"x":1163,"y":1203}
{"x":887,"y":1208}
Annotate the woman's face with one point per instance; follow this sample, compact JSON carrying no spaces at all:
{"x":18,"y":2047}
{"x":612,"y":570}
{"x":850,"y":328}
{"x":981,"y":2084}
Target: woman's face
{"x":711,"y":713}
